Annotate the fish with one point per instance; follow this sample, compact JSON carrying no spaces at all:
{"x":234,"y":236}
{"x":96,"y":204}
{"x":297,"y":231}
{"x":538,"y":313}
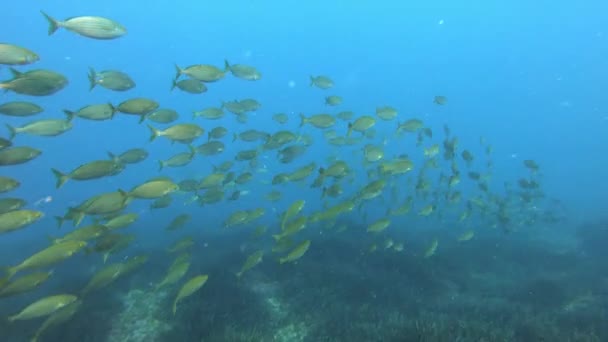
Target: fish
{"x":11,"y":204}
{"x":379,"y":225}
{"x":44,"y":307}
{"x":440,"y":100}
{"x":322,"y":82}
{"x":103,"y":277}
{"x":192,"y":86}
{"x":121,"y":221}
{"x":18,"y":219}
{"x":191,"y":286}
{"x":60,"y":316}
{"x":153,"y":189}
{"x":333,"y":100}
{"x":38,"y":82}
{"x":92,"y":170}
{"x":48,"y":256}
{"x":430,"y":251}
{"x":163,"y":116}
{"x":318,"y":120}
{"x":138,"y":106}
{"x":201,"y":72}
{"x":184,"y":133}
{"x":131,"y":156}
{"x":211,"y":113}
{"x":16,"y":55}
{"x":386,"y":113}
{"x":296,"y":253}
{"x":242,"y":71}
{"x":294,"y":209}
{"x":176,"y":272}
{"x":251,"y":261}
{"x":361,"y":124}
{"x":8,"y":184}
{"x":96,"y":112}
{"x":110,"y":79}
{"x":88,"y":26}
{"x":20,"y":108}
{"x":44,"y":127}
{"x":24,"y":284}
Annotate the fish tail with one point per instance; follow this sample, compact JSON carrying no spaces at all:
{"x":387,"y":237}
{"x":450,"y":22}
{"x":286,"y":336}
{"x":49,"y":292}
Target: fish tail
{"x":69,"y":115}
{"x":61,"y":178}
{"x":179,"y":71}
{"x":105,"y":257}
{"x":59,"y":220}
{"x":350,"y":129}
{"x":10,"y":272}
{"x":92,"y":78}
{"x":312,"y":81}
{"x":113,"y":157}
{"x":155,"y":133}
{"x":226,"y":65}
{"x":302,"y":119}
{"x":174,"y":84}
{"x":161,"y":164}
{"x":12,"y":131}
{"x":174,"y":307}
{"x":192,"y":150}
{"x":53,"y":24}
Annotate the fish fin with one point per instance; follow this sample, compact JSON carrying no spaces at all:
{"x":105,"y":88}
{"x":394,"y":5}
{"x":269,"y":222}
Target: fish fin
{"x":61,"y":178}
{"x":53,"y":24}
{"x":16,"y":73}
{"x":78,"y":217}
{"x":92,"y":78}
{"x":161,"y":164}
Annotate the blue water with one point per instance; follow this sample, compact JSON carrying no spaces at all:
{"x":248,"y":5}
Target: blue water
{"x":530,"y":77}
